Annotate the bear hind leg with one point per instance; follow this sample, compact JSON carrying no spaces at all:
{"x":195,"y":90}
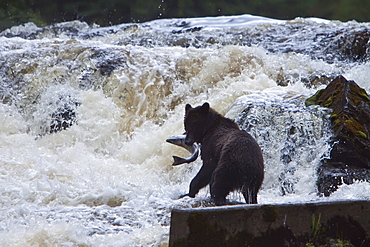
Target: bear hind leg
{"x":250,"y":195}
{"x":219,"y":193}
{"x":219,"y":198}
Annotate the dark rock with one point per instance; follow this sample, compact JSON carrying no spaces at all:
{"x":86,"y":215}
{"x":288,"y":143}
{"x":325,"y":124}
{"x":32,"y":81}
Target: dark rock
{"x":350,"y":119}
{"x":354,"y":46}
{"x":317,"y":80}
{"x":310,"y":224}
{"x":107,"y":67}
{"x":65,"y":115}
{"x":108,"y":61}
{"x":350,"y":155}
{"x":330,"y":178}
{"x":189,"y":30}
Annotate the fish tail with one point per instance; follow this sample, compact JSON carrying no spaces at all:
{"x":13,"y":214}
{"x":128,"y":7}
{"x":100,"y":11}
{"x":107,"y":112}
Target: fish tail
{"x":177,"y":160}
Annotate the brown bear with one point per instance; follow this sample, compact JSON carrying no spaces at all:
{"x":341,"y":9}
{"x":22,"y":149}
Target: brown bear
{"x":232,"y":159}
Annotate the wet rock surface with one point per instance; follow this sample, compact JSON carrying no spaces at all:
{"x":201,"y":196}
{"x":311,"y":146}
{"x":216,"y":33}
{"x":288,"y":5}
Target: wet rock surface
{"x":350,"y":154}
{"x":283,"y":128}
{"x":321,"y":40}
{"x":65,"y":115}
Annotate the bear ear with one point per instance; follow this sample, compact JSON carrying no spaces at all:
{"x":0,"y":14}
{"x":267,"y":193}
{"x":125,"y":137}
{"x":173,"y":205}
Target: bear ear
{"x":187,"y":107}
{"x":205,"y":107}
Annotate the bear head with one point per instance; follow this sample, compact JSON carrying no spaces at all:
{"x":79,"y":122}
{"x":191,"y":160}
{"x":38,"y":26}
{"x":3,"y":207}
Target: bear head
{"x":195,"y":123}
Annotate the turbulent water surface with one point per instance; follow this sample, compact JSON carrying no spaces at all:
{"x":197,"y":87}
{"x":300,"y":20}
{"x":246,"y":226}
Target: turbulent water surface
{"x":85,"y":112}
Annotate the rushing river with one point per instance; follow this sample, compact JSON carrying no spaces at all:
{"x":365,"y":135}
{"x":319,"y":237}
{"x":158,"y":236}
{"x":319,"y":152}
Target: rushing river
{"x":120,"y":92}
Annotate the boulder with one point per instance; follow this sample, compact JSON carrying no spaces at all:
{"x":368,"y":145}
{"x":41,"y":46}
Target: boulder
{"x":63,"y":117}
{"x":350,"y":154}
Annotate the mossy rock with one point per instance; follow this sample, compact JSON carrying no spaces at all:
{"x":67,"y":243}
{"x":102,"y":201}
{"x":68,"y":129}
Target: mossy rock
{"x":350,"y":120}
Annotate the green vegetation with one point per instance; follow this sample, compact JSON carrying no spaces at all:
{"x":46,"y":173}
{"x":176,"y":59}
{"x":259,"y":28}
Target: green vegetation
{"x":315,"y":225}
{"x":108,"y":12}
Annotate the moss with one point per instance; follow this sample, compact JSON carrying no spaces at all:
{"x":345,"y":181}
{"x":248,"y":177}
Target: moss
{"x":364,"y":94}
{"x":355,"y":128}
{"x":328,"y":102}
{"x":361,"y":134}
{"x":337,"y":122}
{"x":313,"y":99}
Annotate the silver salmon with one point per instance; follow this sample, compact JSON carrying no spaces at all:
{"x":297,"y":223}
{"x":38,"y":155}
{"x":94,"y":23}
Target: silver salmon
{"x":193,"y":149}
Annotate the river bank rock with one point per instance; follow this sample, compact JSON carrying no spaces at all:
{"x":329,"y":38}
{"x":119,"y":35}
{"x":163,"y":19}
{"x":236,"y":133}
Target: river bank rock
{"x":340,"y":223}
{"x":350,"y":154}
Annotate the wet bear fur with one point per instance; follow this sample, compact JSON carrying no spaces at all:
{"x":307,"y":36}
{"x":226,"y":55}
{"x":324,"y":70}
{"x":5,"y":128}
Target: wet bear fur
{"x":232,"y":159}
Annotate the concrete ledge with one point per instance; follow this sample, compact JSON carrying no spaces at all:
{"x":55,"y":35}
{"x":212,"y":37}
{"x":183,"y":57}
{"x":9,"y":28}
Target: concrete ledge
{"x":310,"y":224}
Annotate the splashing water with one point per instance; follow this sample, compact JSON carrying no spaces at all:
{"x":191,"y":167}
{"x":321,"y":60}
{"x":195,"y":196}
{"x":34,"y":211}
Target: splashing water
{"x":86,"y":112}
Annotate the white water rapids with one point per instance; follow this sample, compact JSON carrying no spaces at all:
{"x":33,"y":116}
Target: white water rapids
{"x":107,"y":179}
